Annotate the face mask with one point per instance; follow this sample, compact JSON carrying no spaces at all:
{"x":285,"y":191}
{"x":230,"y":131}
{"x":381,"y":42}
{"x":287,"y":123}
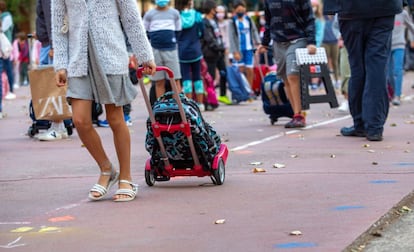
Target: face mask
{"x":262,"y":22}
{"x":314,"y":9}
{"x":162,"y":3}
{"x":240,"y":14}
{"x":220,"y":16}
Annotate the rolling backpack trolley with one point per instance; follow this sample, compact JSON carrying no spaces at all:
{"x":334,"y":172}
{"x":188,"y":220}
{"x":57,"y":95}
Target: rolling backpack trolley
{"x":179,"y":141}
{"x":274,"y":98}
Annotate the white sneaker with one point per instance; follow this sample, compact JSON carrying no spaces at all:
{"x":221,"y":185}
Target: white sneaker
{"x":64,"y":134}
{"x":128,"y":120}
{"x":344,"y":107}
{"x":129,"y":123}
{"x":396,"y":101}
{"x":16,"y":86}
{"x":50,"y":135}
{"x":201,"y":107}
{"x":10,"y":96}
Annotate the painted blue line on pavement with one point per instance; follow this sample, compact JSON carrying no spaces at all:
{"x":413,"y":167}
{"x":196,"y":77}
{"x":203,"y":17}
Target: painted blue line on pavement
{"x":345,"y":208}
{"x":405,"y":164}
{"x":291,"y":245}
{"x":383,"y":181}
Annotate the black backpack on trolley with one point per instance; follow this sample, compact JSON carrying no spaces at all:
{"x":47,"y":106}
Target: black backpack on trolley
{"x":207,"y":141}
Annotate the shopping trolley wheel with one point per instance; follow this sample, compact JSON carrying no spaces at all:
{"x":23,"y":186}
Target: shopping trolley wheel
{"x":219,"y":174}
{"x":32,"y":131}
{"x":69,"y":129}
{"x":149,"y":177}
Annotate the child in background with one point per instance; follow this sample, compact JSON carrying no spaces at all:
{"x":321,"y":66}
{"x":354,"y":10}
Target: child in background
{"x":223,"y":23}
{"x":243,"y":40}
{"x":15,"y":62}
{"x":23,"y":58}
{"x":35,"y":54}
{"x":162,"y":24}
{"x":319,"y":21}
{"x":189,"y":50}
{"x":213,"y":49}
{"x":402,"y":21}
{"x":330,"y":43}
{"x":319,"y":31}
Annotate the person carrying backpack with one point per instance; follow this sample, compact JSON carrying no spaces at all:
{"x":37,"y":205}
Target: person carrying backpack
{"x":7,"y":27}
{"x":213,"y":48}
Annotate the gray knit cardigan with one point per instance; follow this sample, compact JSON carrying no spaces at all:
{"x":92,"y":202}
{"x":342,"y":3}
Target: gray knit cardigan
{"x":74,"y":20}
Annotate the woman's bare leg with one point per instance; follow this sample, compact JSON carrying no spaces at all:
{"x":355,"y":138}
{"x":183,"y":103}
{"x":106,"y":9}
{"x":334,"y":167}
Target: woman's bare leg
{"x":122,"y":142}
{"x":82,"y":111}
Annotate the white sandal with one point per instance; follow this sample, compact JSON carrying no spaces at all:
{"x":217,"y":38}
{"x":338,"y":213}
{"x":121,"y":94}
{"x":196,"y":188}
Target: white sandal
{"x":131,"y":193}
{"x":101,"y":189}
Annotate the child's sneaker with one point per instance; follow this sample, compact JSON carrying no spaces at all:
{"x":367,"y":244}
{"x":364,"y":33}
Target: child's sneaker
{"x":201,"y":107}
{"x":103,"y":123}
{"x":298,"y":121}
{"x":10,"y":96}
{"x":344,"y":107}
{"x":128,"y":120}
{"x":50,"y":135}
{"x":224,"y":99}
{"x":396,"y":101}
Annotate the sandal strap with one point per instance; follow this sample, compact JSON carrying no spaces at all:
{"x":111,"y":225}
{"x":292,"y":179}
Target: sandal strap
{"x":99,"y":189}
{"x":127,"y":182}
{"x":109,"y":173}
{"x":128,"y":192}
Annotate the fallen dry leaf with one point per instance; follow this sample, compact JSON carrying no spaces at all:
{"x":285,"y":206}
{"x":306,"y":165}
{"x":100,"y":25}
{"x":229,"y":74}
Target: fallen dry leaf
{"x":256,"y":170}
{"x":371,"y":151}
{"x":405,"y":209}
{"x":220,"y":221}
{"x":256,"y":163}
{"x":407,"y":151}
{"x":296,"y":232}
{"x":374,"y":163}
{"x":366,"y":145}
{"x":333,"y":156}
{"x":293,"y":156}
{"x":393,"y":124}
{"x":277,"y":165}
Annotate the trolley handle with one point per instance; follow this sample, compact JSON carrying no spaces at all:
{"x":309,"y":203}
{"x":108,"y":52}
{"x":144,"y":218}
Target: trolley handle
{"x":158,"y":68}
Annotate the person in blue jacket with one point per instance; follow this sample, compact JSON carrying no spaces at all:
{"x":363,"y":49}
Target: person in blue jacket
{"x":189,"y":50}
{"x":366,"y":28}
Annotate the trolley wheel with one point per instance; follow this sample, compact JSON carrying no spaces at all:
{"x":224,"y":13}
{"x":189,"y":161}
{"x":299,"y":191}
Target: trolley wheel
{"x":69,"y":129}
{"x":149,"y":177}
{"x":272,"y":121}
{"x":219,"y":173}
{"x":32,"y":131}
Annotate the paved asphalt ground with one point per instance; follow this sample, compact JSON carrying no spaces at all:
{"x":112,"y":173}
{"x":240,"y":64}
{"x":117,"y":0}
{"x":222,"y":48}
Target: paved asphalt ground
{"x":333,"y":194}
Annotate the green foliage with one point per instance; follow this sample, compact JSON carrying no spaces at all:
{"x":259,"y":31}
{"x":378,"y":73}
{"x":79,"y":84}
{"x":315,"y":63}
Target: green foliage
{"x":21,"y":10}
